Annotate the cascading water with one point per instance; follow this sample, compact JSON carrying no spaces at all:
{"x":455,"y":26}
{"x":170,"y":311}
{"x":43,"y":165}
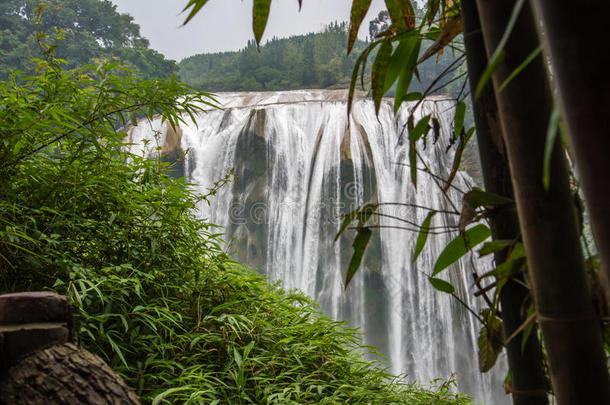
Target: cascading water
{"x":299,"y":168}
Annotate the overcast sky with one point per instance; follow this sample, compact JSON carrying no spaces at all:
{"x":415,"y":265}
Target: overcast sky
{"x":226,"y":25}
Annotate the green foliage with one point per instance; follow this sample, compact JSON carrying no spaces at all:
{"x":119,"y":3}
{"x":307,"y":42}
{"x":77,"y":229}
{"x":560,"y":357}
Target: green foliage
{"x":93,"y":29}
{"x":461,"y":245}
{"x":154,"y":293}
{"x":305,"y":61}
{"x":441,"y":285}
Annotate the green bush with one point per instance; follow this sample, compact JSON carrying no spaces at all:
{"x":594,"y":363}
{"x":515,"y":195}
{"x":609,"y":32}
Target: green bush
{"x":154,"y":292}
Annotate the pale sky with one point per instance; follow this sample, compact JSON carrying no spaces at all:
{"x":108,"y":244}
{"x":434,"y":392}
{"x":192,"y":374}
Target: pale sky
{"x":226,"y":25}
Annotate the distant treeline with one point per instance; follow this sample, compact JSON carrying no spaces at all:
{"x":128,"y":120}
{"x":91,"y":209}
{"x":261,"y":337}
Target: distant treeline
{"x":315,"y":60}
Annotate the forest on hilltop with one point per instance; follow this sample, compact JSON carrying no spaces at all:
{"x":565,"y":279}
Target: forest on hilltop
{"x":311,"y":61}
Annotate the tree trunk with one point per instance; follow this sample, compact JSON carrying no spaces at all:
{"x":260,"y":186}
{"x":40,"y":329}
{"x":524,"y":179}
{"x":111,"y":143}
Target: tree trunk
{"x":580,"y":63}
{"x":571,"y":332}
{"x":39,"y":366}
{"x":528,"y":384}
{"x":63,"y":375}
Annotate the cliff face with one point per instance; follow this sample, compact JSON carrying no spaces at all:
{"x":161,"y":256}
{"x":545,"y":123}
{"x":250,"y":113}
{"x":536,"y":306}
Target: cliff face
{"x":172,"y":151}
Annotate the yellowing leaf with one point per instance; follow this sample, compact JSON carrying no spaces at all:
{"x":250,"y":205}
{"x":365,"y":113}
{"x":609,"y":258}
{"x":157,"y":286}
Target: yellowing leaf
{"x":452,"y":29}
{"x":478,"y":198}
{"x":402,"y":15}
{"x":491,"y":340}
{"x":359,"y":10}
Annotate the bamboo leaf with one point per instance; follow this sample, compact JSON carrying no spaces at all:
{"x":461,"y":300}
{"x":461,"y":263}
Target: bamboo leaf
{"x":514,"y":264}
{"x":457,"y":159}
{"x":459,"y":246}
{"x":346,"y":221}
{"x":422,"y":237}
{"x":491,"y":340}
{"x":260,"y":14}
{"x":414,"y":96}
{"x":498,"y":54}
{"x":360,"y":243}
{"x":401,"y":55}
{"x":237,"y":357}
{"x":452,"y":28}
{"x":433,"y":7}
{"x":489,"y":70}
{"x":363,"y":214}
{"x":378,"y":74}
{"x":359,"y":63}
{"x":460,"y":114}
{"x":359,"y":10}
{"x":420,"y":129}
{"x":412,"y":153}
{"x":478,"y":197}
{"x":551,"y":137}
{"x":528,"y":329}
{"x":520,"y":68}
{"x":441,"y":285}
{"x":395,"y":12}
{"x":468,"y":214}
{"x":402,"y":14}
{"x":495,"y":246}
{"x":529,"y":321}
{"x":159,"y":399}
{"x":196,"y":5}
{"x":487,"y":355}
{"x":413,"y":44}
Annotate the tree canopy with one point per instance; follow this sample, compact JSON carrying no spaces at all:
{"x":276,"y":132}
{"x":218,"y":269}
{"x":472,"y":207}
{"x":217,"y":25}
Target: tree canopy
{"x":93,"y":30}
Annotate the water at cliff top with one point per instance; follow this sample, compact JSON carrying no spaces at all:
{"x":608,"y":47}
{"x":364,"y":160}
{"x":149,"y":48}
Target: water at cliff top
{"x":299,"y":168}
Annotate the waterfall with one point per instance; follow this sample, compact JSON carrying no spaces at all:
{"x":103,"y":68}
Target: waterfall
{"x":300,"y":165}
